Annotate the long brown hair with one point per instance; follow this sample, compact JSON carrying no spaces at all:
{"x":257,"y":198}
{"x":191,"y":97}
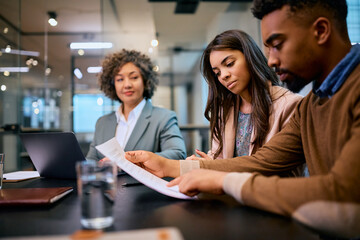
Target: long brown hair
{"x":221,"y":100}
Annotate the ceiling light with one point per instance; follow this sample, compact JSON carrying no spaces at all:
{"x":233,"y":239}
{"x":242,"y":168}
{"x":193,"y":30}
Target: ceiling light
{"x":94,"y":69}
{"x":90,"y":45}
{"x":14,"y":69}
{"x":81,"y":52}
{"x":3,"y":88}
{"x":19,"y":52}
{"x":150,"y":50}
{"x":78,"y":73}
{"x":47,"y":71}
{"x":100,"y":101}
{"x":52,"y":19}
{"x":8,"y":49}
{"x":6,"y":73}
{"x":156,"y":68}
{"x":6,"y":30}
{"x":154,"y":43}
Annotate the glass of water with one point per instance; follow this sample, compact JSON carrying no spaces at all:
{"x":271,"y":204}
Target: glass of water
{"x":97,"y":191}
{"x":2,"y":158}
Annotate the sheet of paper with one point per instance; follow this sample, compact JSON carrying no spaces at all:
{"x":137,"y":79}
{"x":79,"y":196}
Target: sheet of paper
{"x":115,"y":153}
{"x":168,"y":233}
{"x":20,"y":175}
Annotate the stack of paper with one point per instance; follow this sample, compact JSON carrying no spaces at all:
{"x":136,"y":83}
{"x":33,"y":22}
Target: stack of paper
{"x":20,"y":176}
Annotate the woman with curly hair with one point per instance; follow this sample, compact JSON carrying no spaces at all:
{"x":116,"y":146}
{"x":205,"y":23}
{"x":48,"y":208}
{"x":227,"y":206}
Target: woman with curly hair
{"x":128,"y":77}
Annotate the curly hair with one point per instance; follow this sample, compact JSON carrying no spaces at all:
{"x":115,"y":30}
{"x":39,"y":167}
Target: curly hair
{"x":112,"y":64}
{"x":221,"y":100}
{"x":337,"y":9}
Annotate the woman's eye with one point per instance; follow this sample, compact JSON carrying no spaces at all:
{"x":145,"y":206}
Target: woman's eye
{"x":118,"y":80}
{"x":230,"y":64}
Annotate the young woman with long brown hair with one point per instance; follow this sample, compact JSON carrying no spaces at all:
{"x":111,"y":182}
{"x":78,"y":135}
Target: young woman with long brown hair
{"x":245,"y":105}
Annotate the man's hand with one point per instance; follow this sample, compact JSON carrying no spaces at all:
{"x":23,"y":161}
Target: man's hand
{"x":203,"y":156}
{"x":155,"y":164}
{"x":200,"y":180}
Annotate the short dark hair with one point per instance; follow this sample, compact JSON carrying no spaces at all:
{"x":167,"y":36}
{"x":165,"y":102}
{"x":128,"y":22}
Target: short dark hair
{"x":114,"y":61}
{"x":337,"y":9}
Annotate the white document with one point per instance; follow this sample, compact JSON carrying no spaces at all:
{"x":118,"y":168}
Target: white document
{"x":168,"y":233}
{"x":115,"y":153}
{"x":20,"y":175}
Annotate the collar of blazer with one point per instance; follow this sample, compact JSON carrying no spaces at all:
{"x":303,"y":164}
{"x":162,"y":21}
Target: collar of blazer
{"x":140,"y":126}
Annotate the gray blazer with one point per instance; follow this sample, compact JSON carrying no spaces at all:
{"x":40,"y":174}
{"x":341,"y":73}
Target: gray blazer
{"x":156,"y":131}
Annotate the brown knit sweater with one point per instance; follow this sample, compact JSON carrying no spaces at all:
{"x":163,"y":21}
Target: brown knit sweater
{"x":326,"y":134}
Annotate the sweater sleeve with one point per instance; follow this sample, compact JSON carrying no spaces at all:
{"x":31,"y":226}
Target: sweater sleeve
{"x":286,"y":195}
{"x":328,"y":202}
{"x":282,"y":154}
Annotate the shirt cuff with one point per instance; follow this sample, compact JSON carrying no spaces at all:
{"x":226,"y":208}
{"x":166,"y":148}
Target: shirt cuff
{"x":233,"y":184}
{"x":188,"y":165}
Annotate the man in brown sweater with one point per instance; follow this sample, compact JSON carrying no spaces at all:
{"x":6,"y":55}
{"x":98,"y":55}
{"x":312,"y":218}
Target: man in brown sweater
{"x":307,"y":42}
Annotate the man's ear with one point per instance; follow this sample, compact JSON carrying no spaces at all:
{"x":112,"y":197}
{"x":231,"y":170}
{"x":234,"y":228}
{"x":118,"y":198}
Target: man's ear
{"x":322,"y":30}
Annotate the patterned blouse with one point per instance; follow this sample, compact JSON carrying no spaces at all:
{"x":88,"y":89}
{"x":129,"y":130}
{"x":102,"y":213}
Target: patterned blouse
{"x":243,"y":134}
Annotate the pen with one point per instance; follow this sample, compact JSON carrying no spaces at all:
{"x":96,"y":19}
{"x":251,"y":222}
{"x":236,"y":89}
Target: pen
{"x":131,"y":184}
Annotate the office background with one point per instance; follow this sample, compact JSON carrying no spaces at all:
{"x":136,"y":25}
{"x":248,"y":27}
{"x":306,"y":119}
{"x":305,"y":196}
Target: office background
{"x":45,"y":85}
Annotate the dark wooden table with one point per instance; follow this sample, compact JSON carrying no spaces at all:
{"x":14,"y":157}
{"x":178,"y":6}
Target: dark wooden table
{"x":139,"y":207}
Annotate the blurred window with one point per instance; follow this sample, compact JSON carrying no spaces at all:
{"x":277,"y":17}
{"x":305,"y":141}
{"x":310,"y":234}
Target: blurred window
{"x":353,"y":20}
{"x":88,"y":108}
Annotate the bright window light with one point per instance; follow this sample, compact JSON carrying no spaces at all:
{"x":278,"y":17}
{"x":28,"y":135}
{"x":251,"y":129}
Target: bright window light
{"x":78,"y":73}
{"x":90,"y":45}
{"x":94,"y":69}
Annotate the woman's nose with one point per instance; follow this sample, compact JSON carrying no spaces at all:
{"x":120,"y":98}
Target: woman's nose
{"x":225,"y":75}
{"x":127,"y":82}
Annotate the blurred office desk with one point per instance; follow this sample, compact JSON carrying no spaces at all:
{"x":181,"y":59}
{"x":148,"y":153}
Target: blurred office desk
{"x":139,"y":207}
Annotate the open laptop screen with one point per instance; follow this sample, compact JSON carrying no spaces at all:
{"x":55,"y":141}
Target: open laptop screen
{"x":54,"y":154}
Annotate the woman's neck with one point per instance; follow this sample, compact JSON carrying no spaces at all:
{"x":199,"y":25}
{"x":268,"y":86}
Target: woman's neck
{"x":127,"y":108}
{"x":245,"y":106}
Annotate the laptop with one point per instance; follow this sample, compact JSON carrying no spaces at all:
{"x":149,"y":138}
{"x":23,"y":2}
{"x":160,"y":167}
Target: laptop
{"x":54,"y":154}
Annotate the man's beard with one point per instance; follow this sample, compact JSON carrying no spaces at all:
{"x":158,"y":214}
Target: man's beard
{"x":294,"y":82}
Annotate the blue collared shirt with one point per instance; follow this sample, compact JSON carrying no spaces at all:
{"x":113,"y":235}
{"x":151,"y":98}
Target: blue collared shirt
{"x":339,"y":74}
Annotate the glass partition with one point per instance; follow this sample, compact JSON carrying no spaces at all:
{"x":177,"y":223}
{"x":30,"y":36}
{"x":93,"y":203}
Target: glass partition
{"x":11,"y":70}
